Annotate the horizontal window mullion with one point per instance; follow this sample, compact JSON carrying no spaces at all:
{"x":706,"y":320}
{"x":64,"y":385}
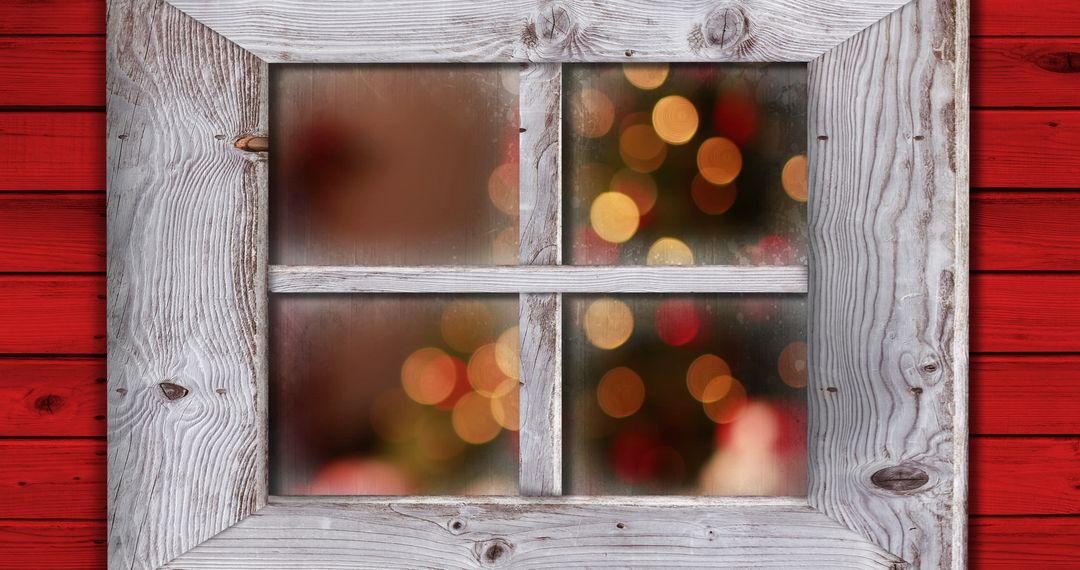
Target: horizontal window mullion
{"x":538,"y":279}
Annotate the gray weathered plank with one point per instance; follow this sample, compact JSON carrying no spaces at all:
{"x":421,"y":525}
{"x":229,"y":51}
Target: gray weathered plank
{"x":888,"y":296}
{"x":327,"y":31}
{"x":541,"y":164}
{"x":532,"y":532}
{"x":186,"y":281}
{"x":538,"y":279}
{"x":541,"y":394}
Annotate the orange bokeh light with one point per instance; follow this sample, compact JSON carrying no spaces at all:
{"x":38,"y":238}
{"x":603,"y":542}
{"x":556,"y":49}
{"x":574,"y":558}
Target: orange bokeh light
{"x":641,"y":148}
{"x":620,"y":392}
{"x":794,"y":178}
{"x":675,"y":119}
{"x":428,"y":375}
{"x":473,"y":421}
{"x":719,"y":160}
{"x":608,"y":323}
{"x":712,"y":198}
{"x":702,"y":371}
{"x":646,"y":75}
{"x":793,"y":365}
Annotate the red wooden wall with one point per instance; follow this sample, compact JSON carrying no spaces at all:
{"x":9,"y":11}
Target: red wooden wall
{"x":1025,"y":323}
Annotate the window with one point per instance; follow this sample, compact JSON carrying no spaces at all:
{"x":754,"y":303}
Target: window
{"x":206,"y":263}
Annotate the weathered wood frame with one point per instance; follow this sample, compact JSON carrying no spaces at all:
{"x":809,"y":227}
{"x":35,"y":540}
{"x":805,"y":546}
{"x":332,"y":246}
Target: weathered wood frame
{"x":887,"y":285}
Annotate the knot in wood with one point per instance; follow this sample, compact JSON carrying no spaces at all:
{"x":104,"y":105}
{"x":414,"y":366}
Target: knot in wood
{"x":900,"y":478}
{"x":456,"y":526}
{"x":726,"y":27}
{"x":553,"y":24}
{"x":48,"y":404}
{"x":173,"y":391}
{"x":1059,"y":62}
{"x":494,"y":553}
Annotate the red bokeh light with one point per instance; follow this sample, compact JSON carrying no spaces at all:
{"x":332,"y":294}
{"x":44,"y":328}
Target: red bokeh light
{"x":677,"y":322}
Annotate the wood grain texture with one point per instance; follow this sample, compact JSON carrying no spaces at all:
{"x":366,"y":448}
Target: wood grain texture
{"x":518,"y":533}
{"x":1025,"y":149}
{"x":41,"y":478}
{"x":65,"y":17}
{"x":63,"y":545}
{"x":537,"y":279}
{"x":1025,"y":394}
{"x":1025,"y":18}
{"x":537,"y":30}
{"x":52,"y":315}
{"x":1008,"y":543}
{"x":1025,"y":475}
{"x":887,"y":298}
{"x":187,"y":309}
{"x":541,"y":164}
{"x":52,"y":397}
{"x":52,"y":150}
{"x":1025,"y":72}
{"x":1025,"y":231}
{"x":1025,"y":312}
{"x":52,"y":232}
{"x":541,"y":395}
{"x":52,"y":71}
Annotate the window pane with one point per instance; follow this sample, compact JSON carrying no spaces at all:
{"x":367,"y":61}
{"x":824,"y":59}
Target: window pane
{"x":393,"y":394}
{"x":685,"y":395}
{"x":685,"y":164}
{"x":394,"y":164}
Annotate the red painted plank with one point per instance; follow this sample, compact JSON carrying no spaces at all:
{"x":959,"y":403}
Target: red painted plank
{"x":1025,"y":72}
{"x":52,"y":397}
{"x":52,"y":71}
{"x":1008,"y":543}
{"x":52,"y":150}
{"x":1025,"y":394}
{"x":59,"y":545}
{"x":1025,"y":231}
{"x":52,"y":315}
{"x":1022,"y":312}
{"x":1025,"y":18}
{"x":1025,"y":149}
{"x":52,"y":233}
{"x":52,"y":478}
{"x":1024,"y":475}
{"x":52,"y":17}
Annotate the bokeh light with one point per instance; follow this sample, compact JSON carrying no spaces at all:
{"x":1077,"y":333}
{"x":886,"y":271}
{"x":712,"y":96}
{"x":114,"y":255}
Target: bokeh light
{"x":793,"y":366}
{"x":608,"y":323}
{"x":711,"y":198}
{"x":794,"y":178}
{"x":593,"y":113}
{"x":675,"y":119}
{"x":473,"y":421}
{"x":503,"y":188}
{"x":506,"y":405}
{"x":719,"y":160}
{"x":428,"y":375}
{"x":727,"y":407}
{"x":669,"y":251}
{"x":677,"y":321}
{"x":508,"y":352}
{"x":641,"y":148}
{"x":702,"y":371}
{"x":645,"y":75}
{"x":621,"y":392}
{"x":641,"y":188}
{"x":484,"y":372}
{"x":614,"y":217}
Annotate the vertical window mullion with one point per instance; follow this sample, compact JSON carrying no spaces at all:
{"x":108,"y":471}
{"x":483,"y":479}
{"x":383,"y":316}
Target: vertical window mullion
{"x":540,"y":225}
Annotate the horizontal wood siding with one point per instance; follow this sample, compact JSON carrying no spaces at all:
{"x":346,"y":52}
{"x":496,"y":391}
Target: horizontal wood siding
{"x":52,"y":139}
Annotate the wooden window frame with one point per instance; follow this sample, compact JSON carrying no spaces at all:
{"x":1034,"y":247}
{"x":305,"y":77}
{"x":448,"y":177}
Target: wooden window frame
{"x":188,"y":281}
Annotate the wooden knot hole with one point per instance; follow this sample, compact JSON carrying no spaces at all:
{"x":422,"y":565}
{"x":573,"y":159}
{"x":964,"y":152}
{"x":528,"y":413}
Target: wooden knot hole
{"x":900,"y":478}
{"x":726,"y":27}
{"x":48,"y":404}
{"x":620,"y":526}
{"x":553,"y":24}
{"x":494,"y":552}
{"x":456,"y":526}
{"x":173,"y":391}
{"x":929,"y":368}
{"x":1059,"y":62}
{"x":252,"y":143}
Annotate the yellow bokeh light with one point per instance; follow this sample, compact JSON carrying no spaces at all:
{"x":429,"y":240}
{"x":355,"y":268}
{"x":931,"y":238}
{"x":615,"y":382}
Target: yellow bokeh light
{"x":508,"y":352}
{"x":717,"y":388}
{"x":608,"y":323}
{"x":506,"y":405}
{"x":472,"y":419}
{"x":702,"y":371}
{"x":465,"y":325}
{"x":620,"y":392}
{"x":483,"y":370}
{"x":675,"y":119}
{"x":719,"y":160}
{"x":794,"y":178}
{"x":728,"y":408}
{"x":641,"y":148}
{"x":641,"y":188}
{"x":669,"y":251}
{"x":592,"y":113}
{"x":614,"y":217}
{"x":428,"y":375}
{"x":646,"y":75}
{"x":793,"y":365}
{"x":503,"y":188}
{"x":711,"y":198}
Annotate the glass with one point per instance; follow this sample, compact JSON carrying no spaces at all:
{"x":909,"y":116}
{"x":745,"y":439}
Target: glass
{"x":394,"y":394}
{"x":394,"y":164}
{"x":685,"y":164}
{"x":685,"y":395}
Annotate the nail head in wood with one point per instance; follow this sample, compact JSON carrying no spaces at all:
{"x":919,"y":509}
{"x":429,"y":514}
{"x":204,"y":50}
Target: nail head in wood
{"x":900,"y":478}
{"x":173,"y":391}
